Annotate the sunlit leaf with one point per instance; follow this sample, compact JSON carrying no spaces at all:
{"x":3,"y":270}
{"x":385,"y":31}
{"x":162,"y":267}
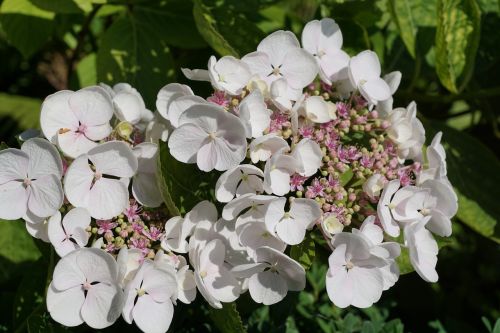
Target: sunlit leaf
{"x":26,"y":26}
{"x":457,"y":40}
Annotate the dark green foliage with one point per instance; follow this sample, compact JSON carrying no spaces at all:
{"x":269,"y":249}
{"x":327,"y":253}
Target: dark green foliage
{"x":448,"y":52}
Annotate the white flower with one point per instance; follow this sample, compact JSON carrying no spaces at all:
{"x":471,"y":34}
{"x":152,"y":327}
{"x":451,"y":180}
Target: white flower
{"x":374,"y":185}
{"x":76,"y":120}
{"x":393,"y":79}
{"x":399,"y":205}
{"x":280,"y":95}
{"x":253,"y":234}
{"x":277,"y":173}
{"x":254,"y":206}
{"x":98,"y":187}
{"x":388,"y":251}
{"x":423,"y":250}
{"x":323,"y":39}
{"x":364,"y":73}
{"x":291,"y":226}
{"x":214,"y":281}
{"x":148,"y":298}
{"x":127,"y":103}
{"x":244,"y":178}
{"x":177,"y":229}
{"x":30,"y":181}
{"x":255,"y":115}
{"x":309,"y":154}
{"x":209,"y":137}
{"x":186,"y":286}
{"x":317,"y":110}
{"x":158,"y":129}
{"x":331,"y":225}
{"x":38,"y":227}
{"x":144,"y":183}
{"x":169,"y":93}
{"x":227,"y":74}
{"x":129,"y":261}
{"x":441,"y":205}
{"x":272,"y":275}
{"x":69,"y":234}
{"x":407,"y":132}
{"x":263,"y":147}
{"x":436,"y":158}
{"x":279,"y":56}
{"x":85,"y":289}
{"x":355,"y":275}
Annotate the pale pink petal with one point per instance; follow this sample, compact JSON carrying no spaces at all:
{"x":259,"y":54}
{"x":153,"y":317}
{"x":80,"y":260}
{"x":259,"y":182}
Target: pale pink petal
{"x":114,"y":158}
{"x":64,"y":306}
{"x":56,"y":114}
{"x":44,"y":158}
{"x":45,"y":195}
{"x":102,"y":306}
{"x":107,"y":199}
{"x":151,"y":316}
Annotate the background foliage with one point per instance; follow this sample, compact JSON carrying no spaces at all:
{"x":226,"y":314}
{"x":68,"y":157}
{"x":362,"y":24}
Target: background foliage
{"x":447,"y":51}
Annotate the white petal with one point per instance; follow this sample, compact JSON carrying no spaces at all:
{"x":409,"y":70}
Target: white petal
{"x":228,"y":155}
{"x":185,"y":142}
{"x":254,"y":235}
{"x":372,"y":231}
{"x":102,"y":306}
{"x":13,"y":200}
{"x":160,"y":284}
{"x":393,"y":79}
{"x":114,"y":158}
{"x":56,"y":114}
{"x":375,"y":90}
{"x":45,"y":195}
{"x":439,"y":224}
{"x":91,"y":106}
{"x":38,"y":230}
{"x":169,"y":93}
{"x":74,"y":144}
{"x":43,"y":158}
{"x":64,"y":306}
{"x":181,"y":104}
{"x":390,"y":226}
{"x":14,"y":165}
{"x":299,"y":68}
{"x":290,"y":231}
{"x":367,"y":286}
{"x":96,"y":265}
{"x":309,"y":154}
{"x":277,"y":45}
{"x":206,"y":158}
{"x":146,"y":191}
{"x":305,"y":212}
{"x":267,"y":288}
{"x":196,"y":74}
{"x":263,"y":147}
{"x":311,"y":35}
{"x":274,"y":213}
{"x":233,"y":75}
{"x":107,"y":199}
{"x":78,"y":181}
{"x":254,"y":111}
{"x":151,"y":316}
{"x":317,"y":109}
{"x":423,"y":251}
{"x":339,"y":287}
{"x":128,"y":106}
{"x":363,"y":67}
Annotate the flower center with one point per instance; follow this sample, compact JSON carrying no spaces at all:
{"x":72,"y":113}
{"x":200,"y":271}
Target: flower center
{"x":97,"y":175}
{"x":203,"y":274}
{"x":82,"y":129}
{"x":349,"y":265}
{"x":276,"y":71}
{"x":321,"y":53}
{"x":391,"y":205}
{"x":26,"y":182}
{"x":212,"y":135}
{"x":425,"y":211}
{"x":141,"y":292}
{"x":86,"y":285}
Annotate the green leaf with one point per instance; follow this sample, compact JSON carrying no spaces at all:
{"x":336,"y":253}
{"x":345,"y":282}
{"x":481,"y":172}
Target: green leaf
{"x":473,"y":171}
{"x":23,"y":111}
{"x":58,"y":6}
{"x":86,"y":71}
{"x":26,"y":26}
{"x":183,"y":185}
{"x":402,"y":14}
{"x":16,"y":247}
{"x":225,"y":26}
{"x":227,"y":319}
{"x":167,"y":17}
{"x":207,"y":26}
{"x":346,"y":177}
{"x":134,"y":50}
{"x":457,"y":40}
{"x":30,"y":293}
{"x":304,"y":252}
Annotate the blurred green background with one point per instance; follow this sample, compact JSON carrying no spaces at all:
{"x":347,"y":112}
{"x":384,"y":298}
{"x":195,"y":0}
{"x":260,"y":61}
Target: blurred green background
{"x":447,"y":50}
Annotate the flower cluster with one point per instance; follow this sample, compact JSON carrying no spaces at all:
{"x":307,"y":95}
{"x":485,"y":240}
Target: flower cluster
{"x":305,"y":139}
